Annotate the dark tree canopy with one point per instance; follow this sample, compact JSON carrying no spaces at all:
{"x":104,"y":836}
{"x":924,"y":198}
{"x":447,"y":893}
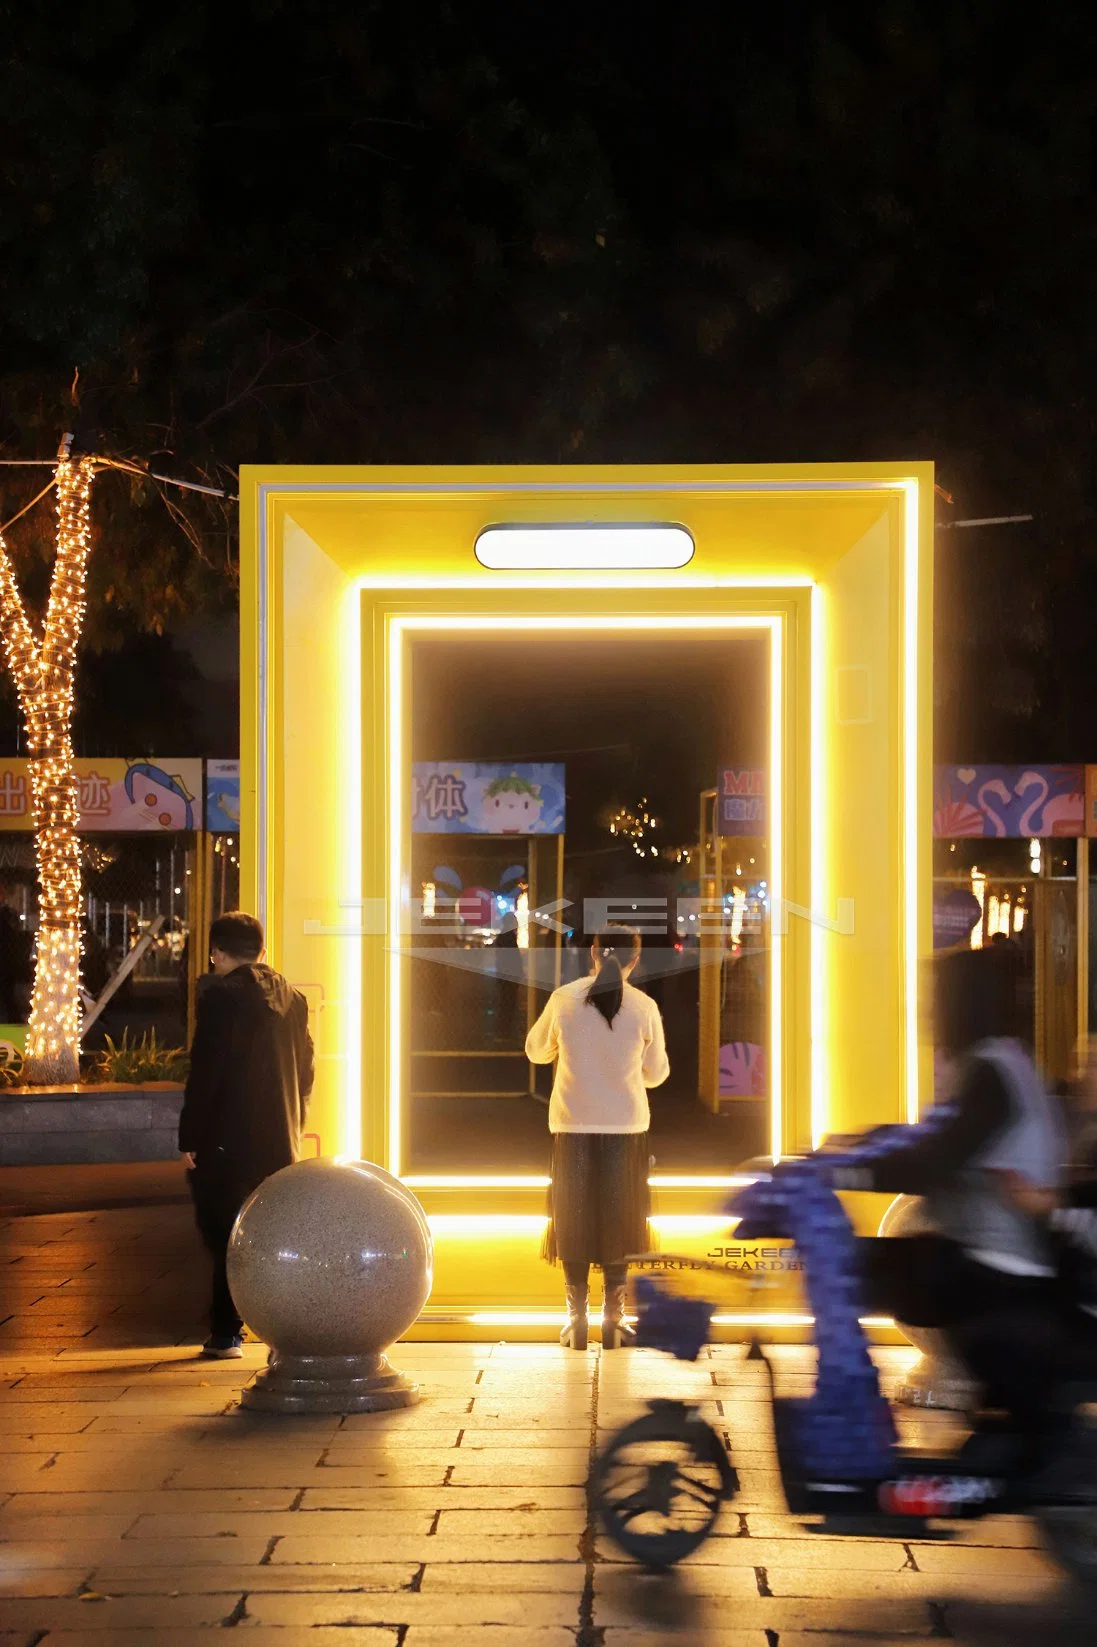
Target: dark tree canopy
{"x":442,"y":232}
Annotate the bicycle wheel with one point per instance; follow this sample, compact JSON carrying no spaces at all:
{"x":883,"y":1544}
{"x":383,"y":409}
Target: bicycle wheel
{"x":660,"y":1482}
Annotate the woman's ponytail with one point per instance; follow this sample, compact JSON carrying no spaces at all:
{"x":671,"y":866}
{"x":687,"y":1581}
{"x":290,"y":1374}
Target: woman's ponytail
{"x":615,"y":948}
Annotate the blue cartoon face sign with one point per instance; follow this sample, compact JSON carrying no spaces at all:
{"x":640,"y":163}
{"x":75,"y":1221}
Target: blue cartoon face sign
{"x":157,"y":798}
{"x":474,"y":798}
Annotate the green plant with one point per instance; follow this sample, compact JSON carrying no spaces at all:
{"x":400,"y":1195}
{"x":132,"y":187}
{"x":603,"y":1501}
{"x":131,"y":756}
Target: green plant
{"x":139,"y":1061}
{"x":11,"y":1065}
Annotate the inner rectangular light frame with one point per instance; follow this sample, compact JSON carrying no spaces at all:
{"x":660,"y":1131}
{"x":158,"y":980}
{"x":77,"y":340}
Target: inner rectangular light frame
{"x":401,"y":626}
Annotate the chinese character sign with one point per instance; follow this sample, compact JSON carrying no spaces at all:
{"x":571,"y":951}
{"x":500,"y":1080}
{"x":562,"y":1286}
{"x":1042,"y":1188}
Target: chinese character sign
{"x":223,"y":797}
{"x":114,"y":795}
{"x":93,"y":795}
{"x":1008,"y":801}
{"x":741,"y":801}
{"x":14,"y":797}
{"x":474,"y":798}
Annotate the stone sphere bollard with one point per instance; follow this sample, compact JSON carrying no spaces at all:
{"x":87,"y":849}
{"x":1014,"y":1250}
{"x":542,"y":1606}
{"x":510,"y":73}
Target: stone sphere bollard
{"x":937,"y":1379}
{"x":329,"y":1262}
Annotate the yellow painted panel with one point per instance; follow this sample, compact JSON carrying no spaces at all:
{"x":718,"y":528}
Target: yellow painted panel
{"x":435,"y":537}
{"x":863,"y":959}
{"x":313,"y":923}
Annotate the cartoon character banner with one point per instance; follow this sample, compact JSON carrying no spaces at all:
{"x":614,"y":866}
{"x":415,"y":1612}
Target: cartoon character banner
{"x":1009,"y":801}
{"x":475,"y":798}
{"x":115,"y":796}
{"x":743,"y":1071}
{"x":223,"y":797}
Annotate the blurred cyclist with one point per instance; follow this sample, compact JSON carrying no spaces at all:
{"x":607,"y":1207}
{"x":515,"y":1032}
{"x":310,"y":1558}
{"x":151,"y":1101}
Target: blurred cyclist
{"x":991,"y":1168}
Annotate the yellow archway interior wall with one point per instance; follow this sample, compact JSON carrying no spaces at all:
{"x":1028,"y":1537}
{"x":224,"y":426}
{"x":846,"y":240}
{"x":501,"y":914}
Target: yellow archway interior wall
{"x":838,"y":556}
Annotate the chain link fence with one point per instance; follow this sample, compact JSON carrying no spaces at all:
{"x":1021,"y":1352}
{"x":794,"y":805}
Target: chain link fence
{"x":129,"y":881}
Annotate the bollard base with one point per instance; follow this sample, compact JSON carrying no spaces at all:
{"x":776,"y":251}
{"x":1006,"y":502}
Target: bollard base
{"x":329,"y":1384}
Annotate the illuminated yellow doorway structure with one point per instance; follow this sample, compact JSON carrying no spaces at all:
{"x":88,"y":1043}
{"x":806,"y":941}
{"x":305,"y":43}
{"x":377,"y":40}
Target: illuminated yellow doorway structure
{"x":343,"y":568}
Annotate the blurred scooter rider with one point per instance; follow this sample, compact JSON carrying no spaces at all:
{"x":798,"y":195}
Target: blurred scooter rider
{"x":1074,"y":1220}
{"x":989,"y":1170}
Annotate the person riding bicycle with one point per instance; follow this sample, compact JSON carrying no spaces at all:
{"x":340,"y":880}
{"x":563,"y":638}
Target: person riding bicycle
{"x":990,"y":1167}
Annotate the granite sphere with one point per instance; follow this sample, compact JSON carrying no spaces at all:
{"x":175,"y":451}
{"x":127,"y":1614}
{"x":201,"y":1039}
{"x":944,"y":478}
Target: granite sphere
{"x":330,"y":1258}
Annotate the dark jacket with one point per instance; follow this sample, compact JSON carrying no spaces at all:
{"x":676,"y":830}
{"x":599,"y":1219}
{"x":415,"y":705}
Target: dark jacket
{"x":251,"y":1073}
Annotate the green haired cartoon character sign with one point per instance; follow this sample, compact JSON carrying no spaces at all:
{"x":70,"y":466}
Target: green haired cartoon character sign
{"x":512,"y":806}
{"x":478,"y":798}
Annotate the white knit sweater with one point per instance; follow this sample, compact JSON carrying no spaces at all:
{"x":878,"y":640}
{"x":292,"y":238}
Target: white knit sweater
{"x":602,"y":1071}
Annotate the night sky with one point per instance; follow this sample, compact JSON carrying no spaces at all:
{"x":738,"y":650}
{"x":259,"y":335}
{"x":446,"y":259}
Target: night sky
{"x":493,"y":233}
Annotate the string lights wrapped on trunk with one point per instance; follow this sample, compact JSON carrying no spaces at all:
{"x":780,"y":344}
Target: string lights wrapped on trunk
{"x":42,"y":671}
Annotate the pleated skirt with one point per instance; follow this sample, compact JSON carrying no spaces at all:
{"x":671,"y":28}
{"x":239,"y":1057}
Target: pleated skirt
{"x":599,"y":1201}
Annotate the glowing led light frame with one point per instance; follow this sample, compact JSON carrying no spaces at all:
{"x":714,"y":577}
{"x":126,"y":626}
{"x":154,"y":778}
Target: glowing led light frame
{"x":911,"y":791}
{"x":546,"y":1318}
{"x":575,"y":578}
{"x":350,"y":853}
{"x":446,"y":1180}
{"x":474,"y":1224}
{"x":398,"y":628}
{"x":820,"y":851}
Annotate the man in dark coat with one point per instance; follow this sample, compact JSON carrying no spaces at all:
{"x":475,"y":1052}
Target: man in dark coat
{"x":251,"y":1073}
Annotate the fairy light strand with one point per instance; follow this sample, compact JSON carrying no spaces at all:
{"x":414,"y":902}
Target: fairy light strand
{"x":43,"y":676}
{"x":634,"y":827}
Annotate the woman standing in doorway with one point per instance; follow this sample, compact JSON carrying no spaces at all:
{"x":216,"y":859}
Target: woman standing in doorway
{"x":606,"y":1039}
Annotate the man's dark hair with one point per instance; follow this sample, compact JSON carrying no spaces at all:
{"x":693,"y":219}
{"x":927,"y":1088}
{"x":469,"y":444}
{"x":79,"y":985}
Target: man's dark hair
{"x":238,"y":935}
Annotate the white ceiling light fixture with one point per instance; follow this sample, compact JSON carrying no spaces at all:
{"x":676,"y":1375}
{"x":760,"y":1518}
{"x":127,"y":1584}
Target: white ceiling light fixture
{"x":549,"y":547}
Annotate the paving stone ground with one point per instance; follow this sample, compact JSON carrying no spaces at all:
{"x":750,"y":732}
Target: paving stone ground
{"x":140,"y":1504}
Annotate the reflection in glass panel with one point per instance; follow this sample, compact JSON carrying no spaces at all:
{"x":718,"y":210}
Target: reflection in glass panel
{"x":1026,"y":891}
{"x":621,"y":740}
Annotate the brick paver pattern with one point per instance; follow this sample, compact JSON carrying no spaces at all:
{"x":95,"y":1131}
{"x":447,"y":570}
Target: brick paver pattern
{"x":140,"y":1504}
